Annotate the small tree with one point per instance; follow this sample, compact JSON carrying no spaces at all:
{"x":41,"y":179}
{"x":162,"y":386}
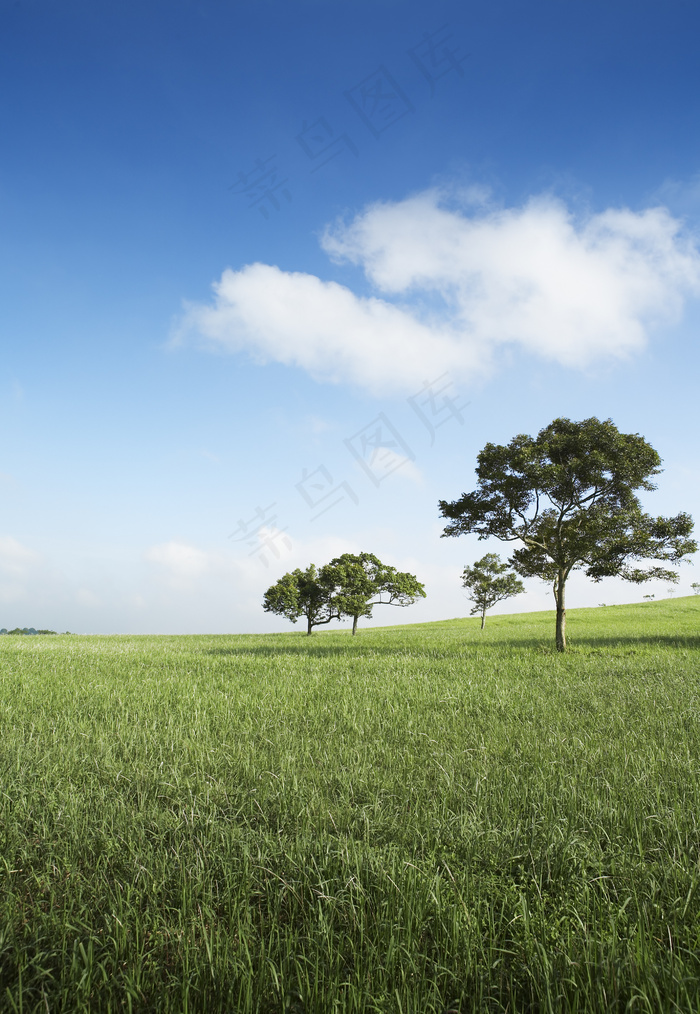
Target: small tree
{"x":696,"y":587}
{"x":306,"y":593}
{"x":568,"y":496}
{"x":363,"y":581}
{"x":489,"y":582}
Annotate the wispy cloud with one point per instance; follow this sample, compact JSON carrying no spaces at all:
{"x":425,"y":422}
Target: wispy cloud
{"x":180,"y":560}
{"x":21,"y":569}
{"x":393,"y":465}
{"x":186,"y":566}
{"x":317,"y":425}
{"x":682,"y":196}
{"x":455,"y":283}
{"x":8,"y":480}
{"x":16,"y":560}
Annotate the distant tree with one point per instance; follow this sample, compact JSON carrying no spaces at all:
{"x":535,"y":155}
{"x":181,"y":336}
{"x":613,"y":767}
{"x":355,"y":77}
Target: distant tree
{"x":568,"y":496}
{"x":649,"y":598}
{"x":306,"y":593}
{"x":489,"y":582}
{"x":696,"y":587}
{"x":362,"y":581}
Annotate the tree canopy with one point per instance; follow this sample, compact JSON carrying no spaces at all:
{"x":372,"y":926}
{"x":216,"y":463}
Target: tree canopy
{"x":306,"y":593}
{"x":488,"y":581}
{"x":569,"y":497}
{"x":363,"y":581}
{"x":27,"y":631}
{"x":350,"y":585}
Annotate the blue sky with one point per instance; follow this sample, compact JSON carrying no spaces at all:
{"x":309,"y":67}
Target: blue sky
{"x":239,"y":240}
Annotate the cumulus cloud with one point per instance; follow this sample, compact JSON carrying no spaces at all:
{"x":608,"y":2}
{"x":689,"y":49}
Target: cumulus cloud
{"x":454,"y":284}
{"x":300,"y":320}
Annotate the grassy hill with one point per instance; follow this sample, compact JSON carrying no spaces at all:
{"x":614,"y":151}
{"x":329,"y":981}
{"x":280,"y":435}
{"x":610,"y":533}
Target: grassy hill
{"x":424,"y":818}
{"x":653,"y":620}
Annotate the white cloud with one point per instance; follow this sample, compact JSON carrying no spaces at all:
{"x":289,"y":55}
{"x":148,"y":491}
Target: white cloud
{"x":682,"y":196}
{"x":197,"y":589}
{"x":179,"y":559}
{"x":454,"y":284}
{"x":300,"y":320}
{"x":187,"y":567}
{"x":392,"y":464}
{"x":317,"y":425}
{"x":15,"y":559}
{"x":21,"y":571}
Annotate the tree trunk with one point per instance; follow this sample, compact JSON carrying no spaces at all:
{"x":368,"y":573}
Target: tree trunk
{"x":354,"y":625}
{"x":559,"y":588}
{"x":483,"y":617}
{"x":310,"y":624}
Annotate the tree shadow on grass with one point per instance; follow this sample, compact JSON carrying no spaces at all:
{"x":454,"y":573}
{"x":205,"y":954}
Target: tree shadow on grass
{"x":691,"y":641}
{"x":586,"y":644}
{"x":605,"y":641}
{"x":320,"y":650}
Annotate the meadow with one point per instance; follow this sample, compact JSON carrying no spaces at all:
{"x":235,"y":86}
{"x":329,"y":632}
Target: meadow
{"x":427,"y":819}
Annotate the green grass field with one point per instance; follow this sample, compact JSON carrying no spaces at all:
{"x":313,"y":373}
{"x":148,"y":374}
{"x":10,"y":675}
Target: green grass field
{"x":419,"y":819}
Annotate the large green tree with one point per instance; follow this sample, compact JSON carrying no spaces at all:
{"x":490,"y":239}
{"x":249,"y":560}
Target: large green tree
{"x":489,"y":581}
{"x":363,"y":581}
{"x":308,"y":593}
{"x":568,"y":496}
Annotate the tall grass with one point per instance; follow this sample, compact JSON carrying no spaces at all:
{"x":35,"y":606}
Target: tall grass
{"x":419,"y":819}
